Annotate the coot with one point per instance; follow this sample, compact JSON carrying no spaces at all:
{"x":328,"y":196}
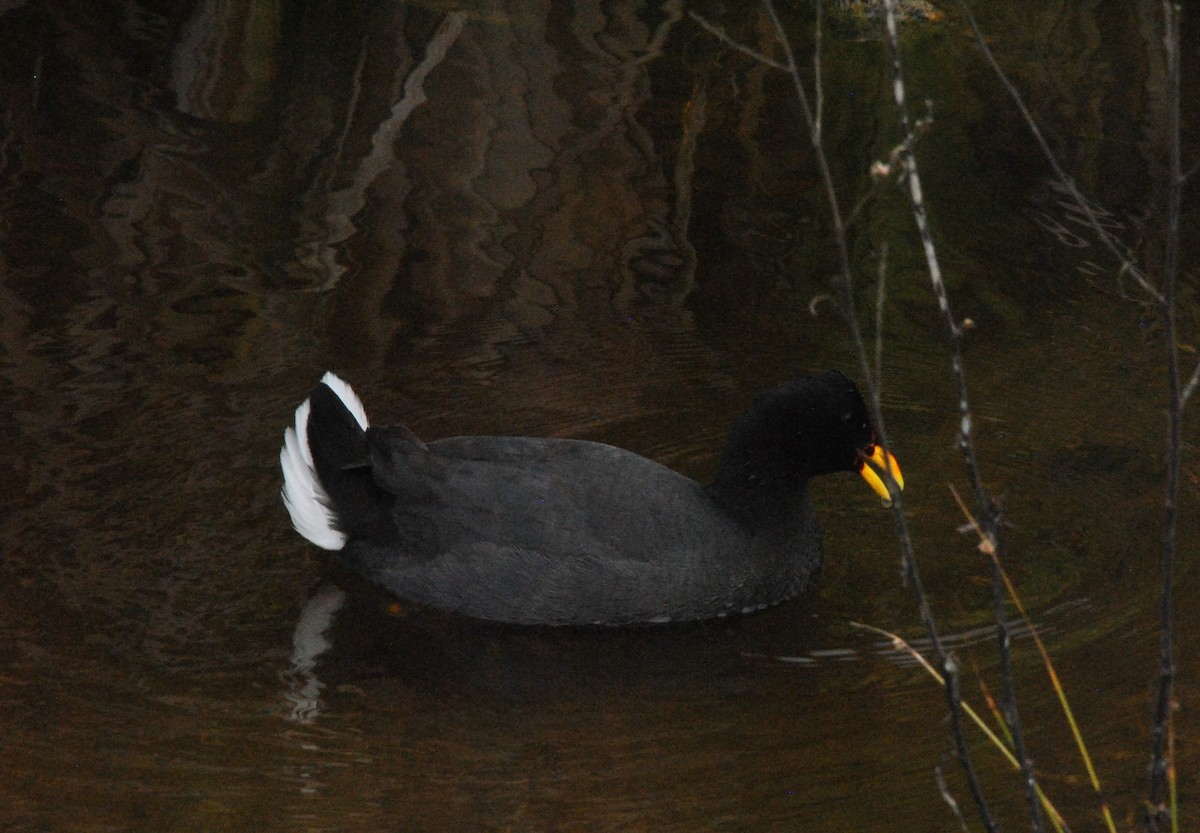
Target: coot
{"x":569,"y":532}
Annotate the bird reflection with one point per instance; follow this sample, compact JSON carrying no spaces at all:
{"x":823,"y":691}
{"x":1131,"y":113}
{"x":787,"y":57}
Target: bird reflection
{"x":349,"y":637}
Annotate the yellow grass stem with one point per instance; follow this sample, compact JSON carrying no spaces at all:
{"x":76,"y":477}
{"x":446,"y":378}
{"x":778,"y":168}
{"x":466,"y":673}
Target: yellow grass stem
{"x":986,"y":546}
{"x":900,"y":643}
{"x":990,"y":701}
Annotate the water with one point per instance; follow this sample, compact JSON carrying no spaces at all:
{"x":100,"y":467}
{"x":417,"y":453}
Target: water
{"x":584,"y":220}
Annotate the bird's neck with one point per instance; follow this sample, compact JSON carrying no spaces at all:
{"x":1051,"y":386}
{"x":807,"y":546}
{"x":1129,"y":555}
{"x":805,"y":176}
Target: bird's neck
{"x":758,"y":498}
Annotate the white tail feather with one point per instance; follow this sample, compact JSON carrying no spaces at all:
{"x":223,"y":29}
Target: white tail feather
{"x":349,"y":398}
{"x":303,"y":495}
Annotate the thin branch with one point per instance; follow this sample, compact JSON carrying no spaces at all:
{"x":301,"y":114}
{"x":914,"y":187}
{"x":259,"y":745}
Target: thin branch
{"x":1159,"y":786}
{"x":953,"y":330}
{"x":954,"y":333}
{"x":880,"y":297}
{"x":1190,"y":387}
{"x":1109,"y":241}
{"x":1012,"y":717}
{"x":810,"y":117}
{"x":901,"y":644}
{"x":1173,"y":783}
{"x":954,"y":697}
{"x":987,"y":549}
{"x":881,"y":170}
{"x":818,"y":88}
{"x":912,"y":573}
{"x":944,"y":790}
{"x":719,"y":33}
{"x":908,"y":556}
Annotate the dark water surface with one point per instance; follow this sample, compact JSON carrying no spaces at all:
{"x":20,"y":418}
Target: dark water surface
{"x":575,"y":219}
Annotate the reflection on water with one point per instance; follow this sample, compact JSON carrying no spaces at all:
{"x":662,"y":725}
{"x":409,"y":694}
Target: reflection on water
{"x":309,"y":643}
{"x":1018,"y":630}
{"x":575,"y":219}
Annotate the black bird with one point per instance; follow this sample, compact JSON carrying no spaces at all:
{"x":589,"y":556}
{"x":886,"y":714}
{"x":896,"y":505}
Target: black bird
{"x":568,"y":532}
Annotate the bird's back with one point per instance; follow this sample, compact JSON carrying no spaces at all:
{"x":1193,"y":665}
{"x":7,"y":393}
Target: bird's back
{"x":567,"y":532}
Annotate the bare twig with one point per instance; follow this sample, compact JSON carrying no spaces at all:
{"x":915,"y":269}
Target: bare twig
{"x":881,"y":170}
{"x":954,"y":696}
{"x":1110,"y":242}
{"x":720,"y":34}
{"x":1164,"y":296}
{"x":987,"y":549}
{"x":1171,"y":780}
{"x":911,"y":570}
{"x":1159,"y":787}
{"x":1009,"y":709}
{"x":990,"y":525}
{"x":818,"y":87}
{"x":1190,"y":387}
{"x":953,"y":329}
{"x":899,"y":643}
{"x":987,"y":508}
{"x":880,"y":297}
{"x":944,"y":790}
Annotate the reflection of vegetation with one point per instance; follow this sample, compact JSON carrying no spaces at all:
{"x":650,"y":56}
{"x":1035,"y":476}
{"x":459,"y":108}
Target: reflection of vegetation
{"x":875,"y":11}
{"x":1157,"y":288}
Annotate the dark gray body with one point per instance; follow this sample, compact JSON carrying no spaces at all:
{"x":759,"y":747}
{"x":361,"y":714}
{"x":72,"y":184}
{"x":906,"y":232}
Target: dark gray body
{"x":555,"y":531}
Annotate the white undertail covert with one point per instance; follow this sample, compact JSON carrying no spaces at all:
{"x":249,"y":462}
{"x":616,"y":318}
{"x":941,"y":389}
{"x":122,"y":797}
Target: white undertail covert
{"x":303,"y":495}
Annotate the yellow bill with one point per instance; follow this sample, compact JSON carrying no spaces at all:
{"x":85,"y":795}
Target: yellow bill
{"x":872,"y":466}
